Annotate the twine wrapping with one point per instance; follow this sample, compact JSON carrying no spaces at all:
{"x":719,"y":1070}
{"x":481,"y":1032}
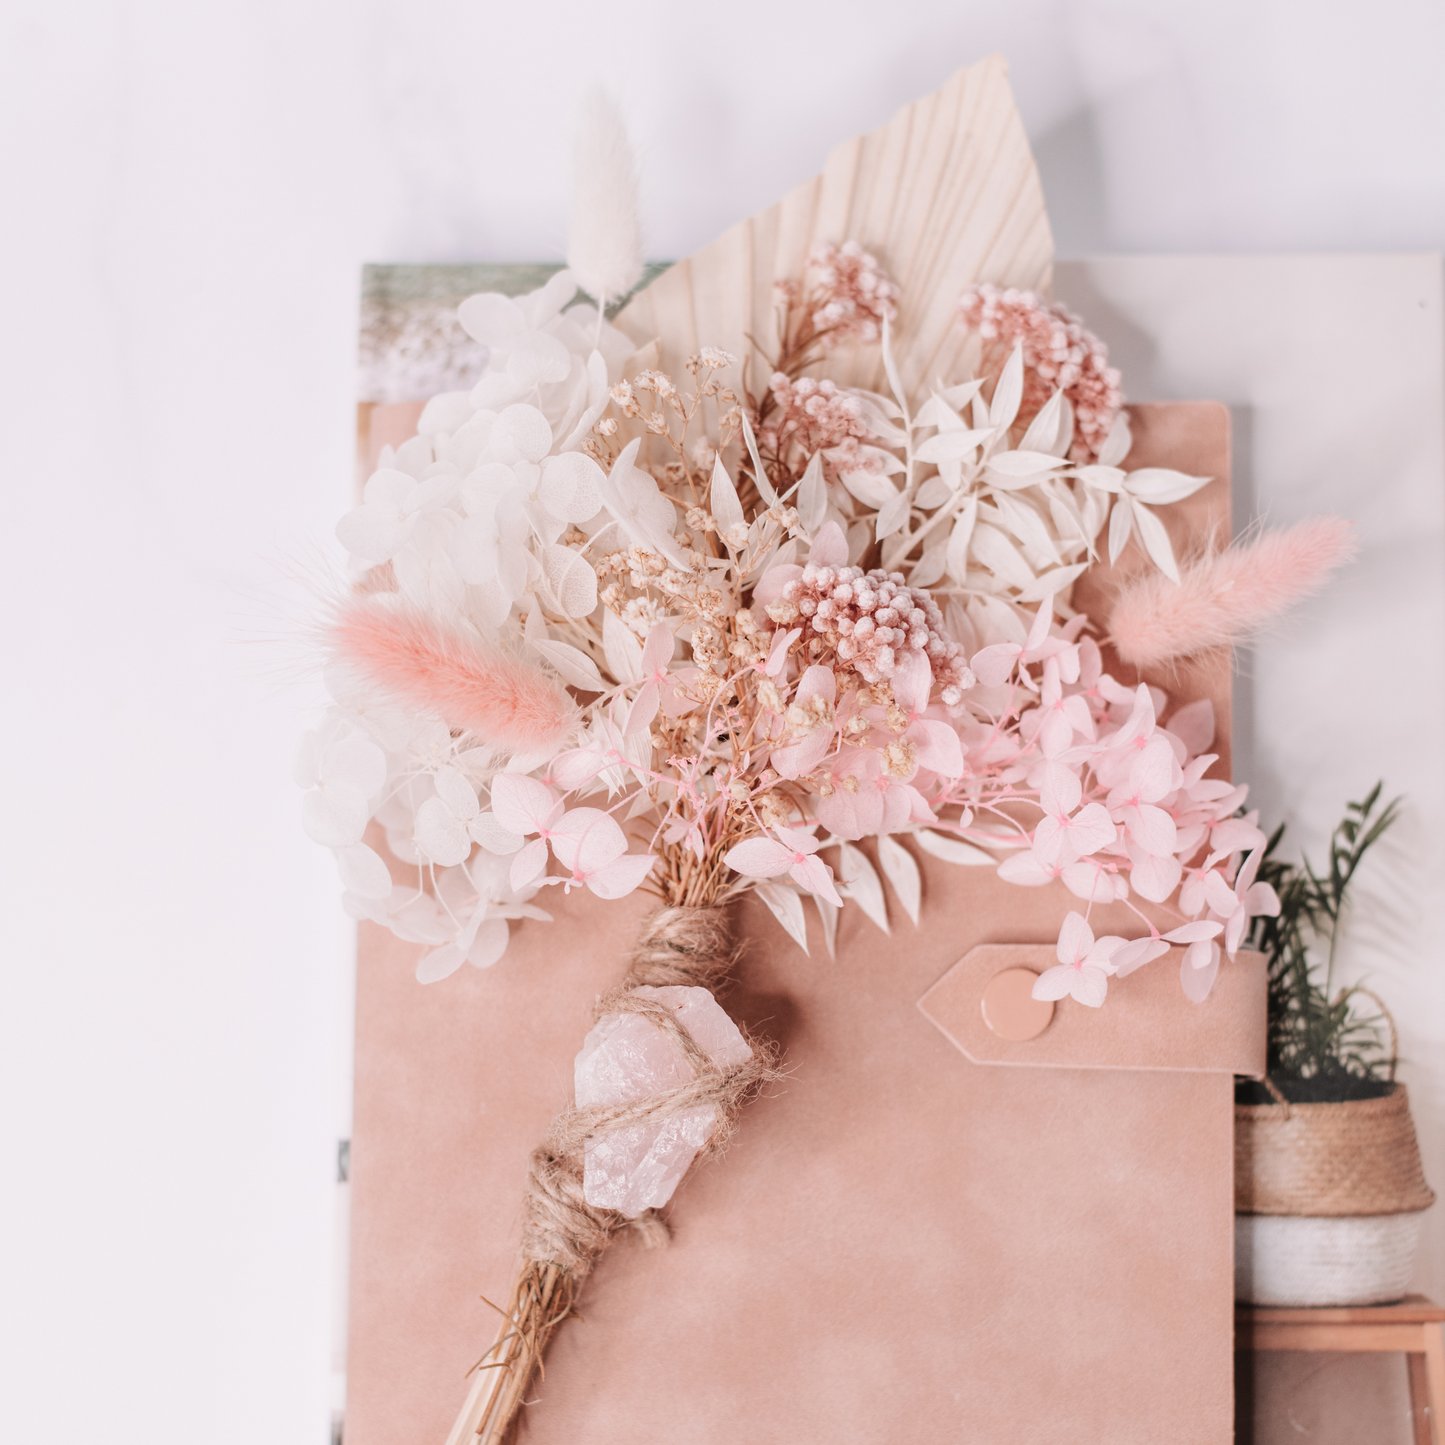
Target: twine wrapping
{"x":563,"y":1236}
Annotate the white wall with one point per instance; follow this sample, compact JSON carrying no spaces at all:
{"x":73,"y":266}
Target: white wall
{"x":188,"y":191}
{"x":1332,"y":366}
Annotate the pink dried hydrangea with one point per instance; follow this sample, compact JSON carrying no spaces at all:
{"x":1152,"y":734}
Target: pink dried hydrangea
{"x":871,"y":620}
{"x":1058,"y":355}
{"x":851,"y":294}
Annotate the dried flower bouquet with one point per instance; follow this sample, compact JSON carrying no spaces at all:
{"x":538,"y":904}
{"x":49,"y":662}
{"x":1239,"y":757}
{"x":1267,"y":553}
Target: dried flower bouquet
{"x":615,"y":629}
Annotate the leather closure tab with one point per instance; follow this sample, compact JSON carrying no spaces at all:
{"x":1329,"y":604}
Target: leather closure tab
{"x":1146,"y":1022}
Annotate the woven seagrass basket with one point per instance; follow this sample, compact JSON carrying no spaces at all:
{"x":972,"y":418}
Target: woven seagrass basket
{"x":1328,"y":1201}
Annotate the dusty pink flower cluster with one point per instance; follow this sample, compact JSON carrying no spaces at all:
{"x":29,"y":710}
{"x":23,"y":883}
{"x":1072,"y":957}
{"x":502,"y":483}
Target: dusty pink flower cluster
{"x":872,"y":619}
{"x":1058,"y":355}
{"x":851,"y":293}
{"x":814,"y":415}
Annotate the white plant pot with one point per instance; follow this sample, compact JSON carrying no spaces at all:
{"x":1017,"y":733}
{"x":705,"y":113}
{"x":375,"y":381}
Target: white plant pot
{"x":1306,"y":1260}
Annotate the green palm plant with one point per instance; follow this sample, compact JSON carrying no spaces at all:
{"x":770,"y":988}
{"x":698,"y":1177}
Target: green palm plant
{"x":1322,"y":1045}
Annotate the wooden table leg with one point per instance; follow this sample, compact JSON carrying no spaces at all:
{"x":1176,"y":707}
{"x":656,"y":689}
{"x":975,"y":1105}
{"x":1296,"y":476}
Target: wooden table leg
{"x":1435,"y":1376}
{"x":1421,"y":1414}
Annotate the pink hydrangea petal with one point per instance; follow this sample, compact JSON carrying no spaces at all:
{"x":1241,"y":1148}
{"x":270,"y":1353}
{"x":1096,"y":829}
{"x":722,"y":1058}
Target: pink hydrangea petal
{"x":1076,"y":938}
{"x":522,"y":804}
{"x":586,"y":839}
{"x":644,"y":709}
{"x":1197,"y":982}
{"x":771,"y":583}
{"x":796,"y":760}
{"x":994,"y":665}
{"x":1054,"y":983}
{"x":758,"y":858}
{"x":1027,"y":870}
{"x":815,"y":875}
{"x":816,"y":682}
{"x":800,"y":840}
{"x":620,"y":877}
{"x":830,"y":547}
{"x":937,"y":747}
{"x":657,"y":650}
{"x":1090,"y":986}
{"x":1135,"y":955}
{"x":913,"y":682}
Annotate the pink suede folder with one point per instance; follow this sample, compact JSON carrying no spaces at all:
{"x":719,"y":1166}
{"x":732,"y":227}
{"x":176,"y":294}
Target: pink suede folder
{"x":925,"y":1233}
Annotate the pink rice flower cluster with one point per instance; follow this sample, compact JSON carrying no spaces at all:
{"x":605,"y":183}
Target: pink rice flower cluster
{"x":851,"y":294}
{"x":1058,"y":355}
{"x":814,"y":416}
{"x":872,"y":620}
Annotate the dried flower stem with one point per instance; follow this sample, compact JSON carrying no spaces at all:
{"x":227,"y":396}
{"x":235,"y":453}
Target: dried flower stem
{"x":541,"y":1299}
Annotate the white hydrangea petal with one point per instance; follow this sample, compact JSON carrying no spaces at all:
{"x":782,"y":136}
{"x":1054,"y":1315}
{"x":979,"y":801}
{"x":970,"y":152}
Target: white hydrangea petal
{"x":521,"y":433}
{"x":572,"y":580}
{"x":543,"y":304}
{"x":388,"y":487}
{"x":567,"y":400}
{"x":356,"y":761}
{"x":428,"y":577}
{"x":413,"y":456}
{"x":359,"y":909}
{"x":490,"y":943}
{"x":466,"y":448}
{"x":491,"y":318}
{"x":442,"y":837}
{"x":334,"y":816}
{"x":457,"y":793}
{"x":537,"y":360}
{"x":375,"y":532}
{"x":440,"y":963}
{"x":495,"y":390}
{"x":304,"y":767}
{"x":484,"y":487}
{"x":512,"y":552}
{"x":545,"y":527}
{"x":489,"y":604}
{"x":488,"y":831}
{"x":447,"y":412}
{"x":400,"y":846}
{"x":363,"y":872}
{"x":571,"y":487}
{"x":474,"y":550}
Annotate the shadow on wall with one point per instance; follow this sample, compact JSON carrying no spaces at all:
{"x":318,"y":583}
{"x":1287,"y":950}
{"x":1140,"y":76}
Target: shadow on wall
{"x":1070,"y":161}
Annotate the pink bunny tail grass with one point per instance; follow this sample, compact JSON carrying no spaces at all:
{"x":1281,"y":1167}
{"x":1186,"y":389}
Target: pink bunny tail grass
{"x":429,"y":666}
{"x":1224,"y":596}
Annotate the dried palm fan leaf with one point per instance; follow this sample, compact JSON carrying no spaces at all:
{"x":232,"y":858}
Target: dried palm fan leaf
{"x":946,"y":195}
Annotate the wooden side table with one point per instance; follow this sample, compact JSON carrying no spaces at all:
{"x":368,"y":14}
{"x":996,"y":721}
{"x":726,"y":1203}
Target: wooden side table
{"x":1415,"y":1327}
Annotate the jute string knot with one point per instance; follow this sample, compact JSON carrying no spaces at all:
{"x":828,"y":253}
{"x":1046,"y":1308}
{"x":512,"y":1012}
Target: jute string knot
{"x":690,"y":947}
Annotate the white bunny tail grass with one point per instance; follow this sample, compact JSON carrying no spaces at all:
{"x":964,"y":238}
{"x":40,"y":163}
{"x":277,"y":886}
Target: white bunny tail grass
{"x":604,"y":250}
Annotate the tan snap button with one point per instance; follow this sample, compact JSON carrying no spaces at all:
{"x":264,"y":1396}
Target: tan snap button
{"x":1011,"y":1010}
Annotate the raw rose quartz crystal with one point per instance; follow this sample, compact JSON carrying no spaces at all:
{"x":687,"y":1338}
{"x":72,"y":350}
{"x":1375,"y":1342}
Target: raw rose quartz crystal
{"x":625,"y":1058}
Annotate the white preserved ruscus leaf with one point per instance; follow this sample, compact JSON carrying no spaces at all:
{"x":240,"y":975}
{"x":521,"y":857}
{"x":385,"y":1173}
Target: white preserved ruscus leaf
{"x":785,"y":905}
{"x":898,"y":863}
{"x":858,"y":881}
{"x":622,"y":650}
{"x":953,"y":850}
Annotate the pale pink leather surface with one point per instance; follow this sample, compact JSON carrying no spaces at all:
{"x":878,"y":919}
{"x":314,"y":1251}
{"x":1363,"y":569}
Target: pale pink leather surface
{"x":902,"y":1245}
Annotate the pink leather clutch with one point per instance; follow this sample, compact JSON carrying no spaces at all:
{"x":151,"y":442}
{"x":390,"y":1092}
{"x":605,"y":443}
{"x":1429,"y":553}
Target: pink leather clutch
{"x":928,"y":1231}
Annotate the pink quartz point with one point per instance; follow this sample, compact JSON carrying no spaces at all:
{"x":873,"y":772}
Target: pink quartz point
{"x":625,"y":1058}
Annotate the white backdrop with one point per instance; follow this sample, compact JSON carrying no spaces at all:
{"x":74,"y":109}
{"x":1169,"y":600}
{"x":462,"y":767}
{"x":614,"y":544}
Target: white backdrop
{"x":188,"y":193}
